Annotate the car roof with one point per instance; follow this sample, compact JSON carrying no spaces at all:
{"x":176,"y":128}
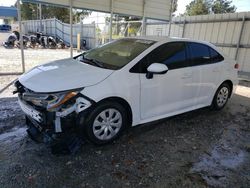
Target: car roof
{"x":170,"y":39}
{"x":175,"y":39}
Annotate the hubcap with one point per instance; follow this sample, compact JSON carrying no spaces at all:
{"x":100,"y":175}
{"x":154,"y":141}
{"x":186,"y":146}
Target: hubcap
{"x":107,"y":124}
{"x":222,"y":96}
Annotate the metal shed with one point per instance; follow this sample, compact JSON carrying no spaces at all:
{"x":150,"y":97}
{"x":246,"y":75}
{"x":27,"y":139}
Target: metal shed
{"x":154,"y":9}
{"x":8,"y":12}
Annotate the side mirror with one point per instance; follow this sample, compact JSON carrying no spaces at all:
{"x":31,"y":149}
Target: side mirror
{"x":156,"y":68}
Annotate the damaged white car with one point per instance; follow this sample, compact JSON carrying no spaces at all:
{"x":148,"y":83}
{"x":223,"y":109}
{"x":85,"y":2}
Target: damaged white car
{"x":126,"y":82}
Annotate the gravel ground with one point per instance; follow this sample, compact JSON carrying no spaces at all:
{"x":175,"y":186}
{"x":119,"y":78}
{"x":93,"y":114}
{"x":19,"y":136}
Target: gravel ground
{"x":11,"y":58}
{"x":202,"y":148}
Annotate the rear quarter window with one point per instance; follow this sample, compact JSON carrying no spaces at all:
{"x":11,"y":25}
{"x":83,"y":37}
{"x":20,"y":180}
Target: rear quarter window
{"x":201,"y":54}
{"x":215,"y":56}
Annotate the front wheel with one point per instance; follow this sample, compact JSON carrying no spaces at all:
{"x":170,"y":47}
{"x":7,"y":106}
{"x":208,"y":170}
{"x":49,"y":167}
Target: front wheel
{"x":221,"y":96}
{"x":105,"y":123}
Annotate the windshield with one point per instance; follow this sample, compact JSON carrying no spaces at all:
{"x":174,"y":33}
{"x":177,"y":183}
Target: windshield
{"x":116,"y":54}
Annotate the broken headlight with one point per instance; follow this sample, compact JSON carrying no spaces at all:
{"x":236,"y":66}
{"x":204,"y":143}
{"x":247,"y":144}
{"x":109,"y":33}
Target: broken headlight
{"x":49,"y":101}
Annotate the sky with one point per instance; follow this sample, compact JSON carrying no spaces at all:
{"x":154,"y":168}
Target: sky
{"x":242,"y":5}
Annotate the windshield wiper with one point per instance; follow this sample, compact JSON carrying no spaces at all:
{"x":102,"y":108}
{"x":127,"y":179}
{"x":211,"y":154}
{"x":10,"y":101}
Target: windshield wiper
{"x":96,"y":62}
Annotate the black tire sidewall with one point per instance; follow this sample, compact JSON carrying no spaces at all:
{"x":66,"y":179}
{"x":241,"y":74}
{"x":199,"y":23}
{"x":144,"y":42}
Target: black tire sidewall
{"x":215,"y":104}
{"x":88,"y":127}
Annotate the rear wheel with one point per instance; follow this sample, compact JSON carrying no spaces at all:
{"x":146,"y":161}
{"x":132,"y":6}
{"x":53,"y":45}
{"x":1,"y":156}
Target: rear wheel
{"x":106,"y":122}
{"x":221,"y":96}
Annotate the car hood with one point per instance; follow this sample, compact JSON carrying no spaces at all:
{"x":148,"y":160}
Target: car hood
{"x":61,"y":75}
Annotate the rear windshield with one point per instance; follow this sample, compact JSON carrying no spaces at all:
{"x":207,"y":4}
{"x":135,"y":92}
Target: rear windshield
{"x":118,"y":53}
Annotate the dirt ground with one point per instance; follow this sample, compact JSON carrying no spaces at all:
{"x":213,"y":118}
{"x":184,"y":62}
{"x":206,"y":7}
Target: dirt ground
{"x":202,"y":148}
{"x":10,"y":59}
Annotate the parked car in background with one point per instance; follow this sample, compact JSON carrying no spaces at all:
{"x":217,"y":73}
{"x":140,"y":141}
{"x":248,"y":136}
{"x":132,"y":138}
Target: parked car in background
{"x":124,"y":83}
{"x":5,"y":27}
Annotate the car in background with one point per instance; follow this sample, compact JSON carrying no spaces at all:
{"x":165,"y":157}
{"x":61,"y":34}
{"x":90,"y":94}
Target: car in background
{"x":126,"y":82}
{"x":5,"y":27}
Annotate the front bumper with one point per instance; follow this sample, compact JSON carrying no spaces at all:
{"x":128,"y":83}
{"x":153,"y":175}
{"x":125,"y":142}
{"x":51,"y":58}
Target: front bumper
{"x":49,"y":121}
{"x":67,"y":141}
{"x":63,"y":124}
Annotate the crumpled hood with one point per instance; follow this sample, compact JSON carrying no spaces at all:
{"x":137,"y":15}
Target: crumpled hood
{"x":61,"y":75}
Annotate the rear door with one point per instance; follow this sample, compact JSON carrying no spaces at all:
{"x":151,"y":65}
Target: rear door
{"x":206,"y":65}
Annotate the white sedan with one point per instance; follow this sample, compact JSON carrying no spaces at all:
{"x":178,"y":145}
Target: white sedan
{"x":126,"y":82}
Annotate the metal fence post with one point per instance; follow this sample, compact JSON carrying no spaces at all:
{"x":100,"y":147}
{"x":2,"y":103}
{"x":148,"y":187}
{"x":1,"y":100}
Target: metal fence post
{"x":55,"y":27}
{"x":71,"y":28}
{"x":92,"y":46}
{"x":143,"y":26}
{"x":183,"y":30}
{"x":40,"y":16}
{"x":21,"y":33}
{"x":239,"y":39}
{"x":111,"y":20}
{"x":170,"y":18}
{"x":63,"y":31}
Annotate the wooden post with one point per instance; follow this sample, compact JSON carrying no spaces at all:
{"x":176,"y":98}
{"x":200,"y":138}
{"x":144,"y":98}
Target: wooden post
{"x":78,"y":42}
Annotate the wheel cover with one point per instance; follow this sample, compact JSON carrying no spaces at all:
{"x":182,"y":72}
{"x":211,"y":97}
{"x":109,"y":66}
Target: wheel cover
{"x":222,"y":96}
{"x":107,"y":124}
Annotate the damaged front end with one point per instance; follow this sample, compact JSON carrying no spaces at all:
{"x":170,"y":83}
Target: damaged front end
{"x":53,"y":118}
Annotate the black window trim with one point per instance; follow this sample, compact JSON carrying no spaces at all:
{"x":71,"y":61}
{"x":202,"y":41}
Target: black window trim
{"x":186,"y":55}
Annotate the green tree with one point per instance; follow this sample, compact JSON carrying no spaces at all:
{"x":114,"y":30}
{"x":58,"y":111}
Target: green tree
{"x":198,"y":7}
{"x":223,"y":6}
{"x":201,"y":7}
{"x":30,"y":11}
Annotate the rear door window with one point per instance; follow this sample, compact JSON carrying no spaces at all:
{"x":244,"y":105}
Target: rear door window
{"x":199,"y":54}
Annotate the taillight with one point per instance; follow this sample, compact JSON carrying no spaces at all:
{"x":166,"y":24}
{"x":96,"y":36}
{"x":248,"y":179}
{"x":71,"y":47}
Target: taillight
{"x":236,"y":66}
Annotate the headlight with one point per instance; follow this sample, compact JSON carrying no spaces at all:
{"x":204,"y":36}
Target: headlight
{"x":60,"y":99}
{"x":49,"y":101}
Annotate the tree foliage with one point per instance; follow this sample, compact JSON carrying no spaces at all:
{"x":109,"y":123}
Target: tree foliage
{"x":223,"y":6}
{"x":30,"y":11}
{"x":202,"y":7}
{"x":174,"y":6}
{"x":197,"y":7}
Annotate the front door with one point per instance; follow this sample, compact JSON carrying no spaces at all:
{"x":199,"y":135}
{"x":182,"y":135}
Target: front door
{"x":168,"y":93}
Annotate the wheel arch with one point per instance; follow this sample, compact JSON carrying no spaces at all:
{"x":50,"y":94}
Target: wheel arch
{"x":230,"y":83}
{"x":124,"y":103}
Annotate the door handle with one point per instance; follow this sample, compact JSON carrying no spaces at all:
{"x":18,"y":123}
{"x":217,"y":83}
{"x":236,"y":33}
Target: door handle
{"x":186,"y":75}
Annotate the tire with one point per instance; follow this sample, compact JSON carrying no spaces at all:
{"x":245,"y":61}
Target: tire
{"x":221,"y":96}
{"x":105,"y":122}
